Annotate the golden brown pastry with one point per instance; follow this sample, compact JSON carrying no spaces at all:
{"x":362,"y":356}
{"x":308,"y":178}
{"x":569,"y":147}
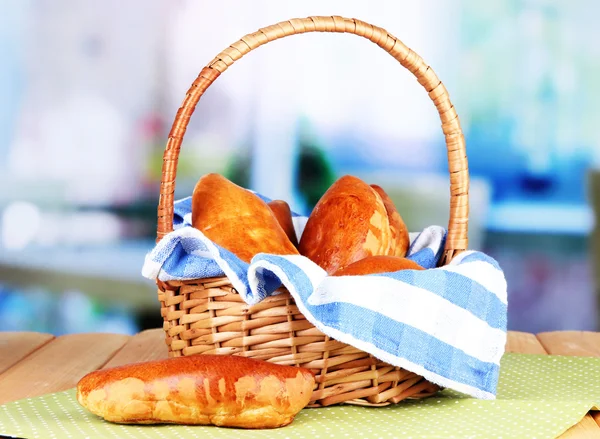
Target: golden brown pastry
{"x":229,"y":391}
{"x":348,"y":223}
{"x":378,"y":264}
{"x":237,"y":219}
{"x":283,"y":213}
{"x":400,"y":241}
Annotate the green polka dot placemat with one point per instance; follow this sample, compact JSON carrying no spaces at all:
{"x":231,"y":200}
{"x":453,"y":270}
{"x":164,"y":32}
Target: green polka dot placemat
{"x":539,"y":396}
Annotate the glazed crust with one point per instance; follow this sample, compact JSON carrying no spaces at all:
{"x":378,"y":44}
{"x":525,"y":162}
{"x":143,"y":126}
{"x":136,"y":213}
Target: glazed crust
{"x":400,"y":241}
{"x":348,"y":223}
{"x":283,"y":213}
{"x":378,"y":264}
{"x":237,"y":219}
{"x":229,"y":391}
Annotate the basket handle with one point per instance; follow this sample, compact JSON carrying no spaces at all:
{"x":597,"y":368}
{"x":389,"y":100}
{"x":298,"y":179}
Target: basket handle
{"x":456,"y":240}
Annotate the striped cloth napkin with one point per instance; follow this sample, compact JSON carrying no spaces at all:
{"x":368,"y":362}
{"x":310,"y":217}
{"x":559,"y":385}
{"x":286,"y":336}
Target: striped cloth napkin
{"x":447,"y":324}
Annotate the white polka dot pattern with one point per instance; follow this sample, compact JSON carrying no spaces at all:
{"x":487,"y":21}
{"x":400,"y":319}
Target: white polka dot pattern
{"x":539,"y":396}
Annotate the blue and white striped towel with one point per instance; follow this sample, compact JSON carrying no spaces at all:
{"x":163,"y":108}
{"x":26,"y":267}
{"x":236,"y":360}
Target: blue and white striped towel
{"x":446,"y":324}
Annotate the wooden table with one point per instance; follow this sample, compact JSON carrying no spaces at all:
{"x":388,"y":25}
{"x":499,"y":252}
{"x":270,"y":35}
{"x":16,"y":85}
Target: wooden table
{"x":33,"y":364}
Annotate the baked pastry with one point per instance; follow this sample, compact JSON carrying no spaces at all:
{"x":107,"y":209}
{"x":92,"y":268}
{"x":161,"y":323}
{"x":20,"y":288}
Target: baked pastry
{"x":348,"y":223}
{"x":400,"y":240}
{"x":378,"y":264}
{"x":229,"y":391}
{"x":283,"y":213}
{"x":237,"y":219}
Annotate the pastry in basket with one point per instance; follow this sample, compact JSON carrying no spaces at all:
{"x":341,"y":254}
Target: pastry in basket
{"x":351,"y":222}
{"x":229,"y":391}
{"x":283,"y":213}
{"x":237,"y":219}
{"x":400,"y":239}
{"x":377,"y":264}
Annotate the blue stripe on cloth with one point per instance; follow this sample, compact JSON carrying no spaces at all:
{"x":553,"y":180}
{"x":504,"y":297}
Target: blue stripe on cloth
{"x":457,"y":289}
{"x":407,"y":342}
{"x":180,"y":209}
{"x":426,"y":258}
{"x":181,"y":265}
{"x":396,"y":338}
{"x":296,"y":276}
{"x":428,"y":247}
{"x":481,"y":257}
{"x":267,"y":284}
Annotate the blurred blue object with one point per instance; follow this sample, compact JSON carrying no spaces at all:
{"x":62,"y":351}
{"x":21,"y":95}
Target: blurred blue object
{"x":40,"y":310}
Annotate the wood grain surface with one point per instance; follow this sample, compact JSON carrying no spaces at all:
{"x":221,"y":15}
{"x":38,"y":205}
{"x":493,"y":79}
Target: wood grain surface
{"x":14,"y":346}
{"x":573,"y":343}
{"x":146,"y":346}
{"x":523,"y":343}
{"x":58,"y":365}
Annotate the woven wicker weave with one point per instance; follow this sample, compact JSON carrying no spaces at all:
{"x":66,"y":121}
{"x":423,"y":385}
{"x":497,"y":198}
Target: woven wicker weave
{"x":207,"y":316}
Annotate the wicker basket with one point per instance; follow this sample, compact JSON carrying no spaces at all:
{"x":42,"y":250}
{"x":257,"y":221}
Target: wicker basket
{"x":207,"y":316}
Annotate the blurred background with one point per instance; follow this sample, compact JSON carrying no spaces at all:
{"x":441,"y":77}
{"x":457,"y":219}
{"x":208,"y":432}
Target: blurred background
{"x":88,"y":92}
